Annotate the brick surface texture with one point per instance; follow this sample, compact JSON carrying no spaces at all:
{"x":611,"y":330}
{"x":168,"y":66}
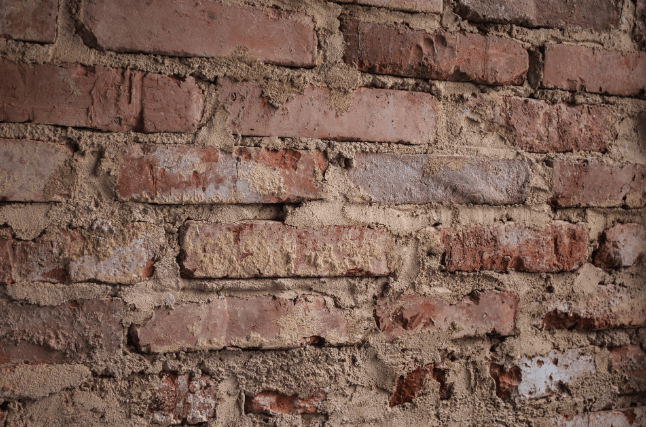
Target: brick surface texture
{"x":323,"y":213}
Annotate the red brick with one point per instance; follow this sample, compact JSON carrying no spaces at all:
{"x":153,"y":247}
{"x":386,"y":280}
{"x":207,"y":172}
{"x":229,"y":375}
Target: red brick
{"x":635,"y":417}
{"x":272,"y":402}
{"x":189,"y":28}
{"x":33,"y":171}
{"x":412,"y":385}
{"x":377,"y":115}
{"x":385,"y":49}
{"x":474,"y":315}
{"x":272,"y":249}
{"x":558,"y":247}
{"x":64,"y":333}
{"x":594,"y":183}
{"x":600,"y":15}
{"x":420,"y":178}
{"x":433,"y":6}
{"x":184,"y":174}
{"x":621,"y":246}
{"x":252,"y":322}
{"x":109,"y":99}
{"x":542,"y":128}
{"x":31,"y":21}
{"x":578,"y":68}
{"x":176,"y":398}
{"x":607,"y":307}
{"x":38,"y":381}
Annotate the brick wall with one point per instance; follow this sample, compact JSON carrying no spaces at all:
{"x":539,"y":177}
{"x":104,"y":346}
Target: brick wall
{"x":323,"y":213}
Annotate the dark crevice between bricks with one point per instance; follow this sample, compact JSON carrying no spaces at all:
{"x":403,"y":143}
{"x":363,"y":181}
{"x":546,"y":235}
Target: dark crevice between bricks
{"x":536,"y":64}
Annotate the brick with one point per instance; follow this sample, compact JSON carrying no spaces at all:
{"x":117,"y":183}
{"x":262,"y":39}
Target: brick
{"x":476,"y":314}
{"x":272,"y":402}
{"x":629,"y":361}
{"x":272,"y":249}
{"x":189,"y":28}
{"x":184,"y":174}
{"x":33,"y":171}
{"x":385,"y":49}
{"x":607,"y":307}
{"x":377,"y":115}
{"x":542,"y":128}
{"x":558,"y":247}
{"x":539,"y":376}
{"x":38,"y":381}
{"x":621,"y":246}
{"x":412,"y":385}
{"x":62,"y":256}
{"x":639,"y":30}
{"x":430,"y":6}
{"x":30,"y":21}
{"x":177,"y":399}
{"x":601,"y":15}
{"x":578,"y":68}
{"x":64,"y":333}
{"x":421,"y":178}
{"x":635,"y":417}
{"x":594,"y":183}
{"x":252,"y":322}
{"x":108,"y":99}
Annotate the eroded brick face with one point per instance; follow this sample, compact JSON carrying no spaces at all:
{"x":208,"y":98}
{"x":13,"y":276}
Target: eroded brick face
{"x":411,"y":385}
{"x":273,"y":402}
{"x":621,"y":246}
{"x":178,"y":398}
{"x":32,"y":21}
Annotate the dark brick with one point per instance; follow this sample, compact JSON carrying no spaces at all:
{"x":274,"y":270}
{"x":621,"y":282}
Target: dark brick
{"x":31,"y":21}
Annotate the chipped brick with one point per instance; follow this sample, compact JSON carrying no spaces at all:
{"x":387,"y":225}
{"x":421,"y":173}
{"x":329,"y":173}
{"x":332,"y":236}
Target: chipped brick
{"x":177,"y":399}
{"x":272,"y":402}
{"x":621,"y":246}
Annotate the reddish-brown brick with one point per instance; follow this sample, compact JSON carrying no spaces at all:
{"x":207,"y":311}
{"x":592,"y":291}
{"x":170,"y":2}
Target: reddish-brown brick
{"x":600,"y":15}
{"x":37,"y":381}
{"x":184,"y":174}
{"x":263,"y":321}
{"x":32,"y":21}
{"x":433,"y":6}
{"x":635,"y":417}
{"x":101,"y":98}
{"x":272,"y":249}
{"x":474,"y":315}
{"x":33,"y":171}
{"x":580,"y":68}
{"x":377,"y":115}
{"x":411,"y":385}
{"x":176,"y":398}
{"x":69,"y":332}
{"x":621,"y":246}
{"x":558,"y":247}
{"x":385,"y":49}
{"x":542,"y":128}
{"x":594,"y":183}
{"x":606,"y":307}
{"x":189,"y":28}
{"x":420,"y":178}
{"x":273,"y":402}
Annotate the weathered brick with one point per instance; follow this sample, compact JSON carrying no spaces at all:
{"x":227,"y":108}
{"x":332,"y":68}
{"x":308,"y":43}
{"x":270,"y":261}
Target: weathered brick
{"x":635,"y":417}
{"x":432,"y":6}
{"x":411,"y":385}
{"x":558,"y":247}
{"x":595,"y":183}
{"x":63,"y":333}
{"x":578,"y":68}
{"x":272,"y":249}
{"x":421,"y":178}
{"x":31,"y":21}
{"x":272,"y":402}
{"x":606,"y":307}
{"x":109,"y":99}
{"x":539,"y":376}
{"x":252,"y":322}
{"x":385,"y":49}
{"x":377,"y":115}
{"x":601,"y":15}
{"x":621,"y":246}
{"x":176,"y":398}
{"x":33,"y":171}
{"x":189,"y":28}
{"x":37,"y":381}
{"x":476,"y":314}
{"x":629,"y":361}
{"x":184,"y":174}
{"x":639,"y":30}
{"x":542,"y":128}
